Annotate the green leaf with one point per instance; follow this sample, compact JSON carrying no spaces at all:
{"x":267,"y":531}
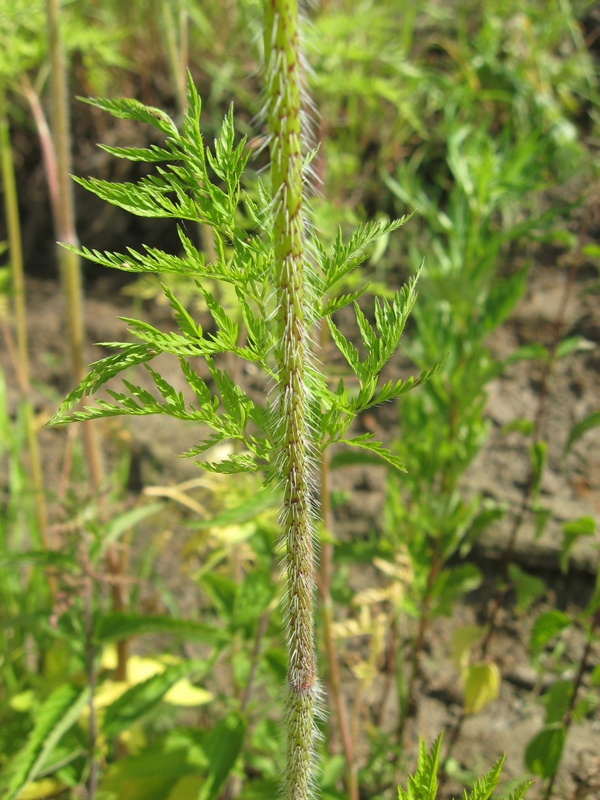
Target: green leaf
{"x":40,"y":558}
{"x":101,"y":371}
{"x":528,"y":352}
{"x":546,"y":627}
{"x":243,"y":512}
{"x":544,"y":751}
{"x":127,"y":108}
{"x":55,"y":717}
{"x":252,"y":599}
{"x":222,"y":747}
{"x":366,"y":442}
{"x":537,"y":456}
{"x":571,"y":345}
{"x":122,"y":523}
{"x":520,"y":424}
{"x":423,"y":784}
{"x":141,"y":698}
{"x":114,"y":626}
{"x":148,"y":155}
{"x":346,"y":348}
{"x":556,"y":700}
{"x":582,"y":427}
{"x":528,"y":587}
{"x":572,"y":531}
{"x":150,"y":775}
{"x":541,"y":515}
{"x":484,"y":786}
{"x":331,"y":306}
{"x":346,"y":257}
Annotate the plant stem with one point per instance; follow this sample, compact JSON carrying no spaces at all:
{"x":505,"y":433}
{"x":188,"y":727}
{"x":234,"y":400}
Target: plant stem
{"x":577,"y":684}
{"x":334,"y":680}
{"x":284,"y":79}
{"x":64,"y":216}
{"x":22,"y":350}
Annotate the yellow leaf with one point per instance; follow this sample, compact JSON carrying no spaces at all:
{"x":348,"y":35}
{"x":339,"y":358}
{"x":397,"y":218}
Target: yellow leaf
{"x":462,"y":640}
{"x":184,"y":694}
{"x":23,"y":701}
{"x":186,"y":787}
{"x":481,"y":685}
{"x":38,"y":790}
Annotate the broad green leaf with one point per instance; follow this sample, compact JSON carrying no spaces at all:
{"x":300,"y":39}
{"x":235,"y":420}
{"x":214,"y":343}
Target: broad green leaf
{"x":55,"y":717}
{"x":582,"y":427}
{"x":546,"y":627}
{"x":42,"y":789}
{"x":556,"y":701}
{"x":571,"y":345}
{"x":528,"y":587}
{"x":481,"y":684}
{"x":528,"y":352}
{"x":453,"y":584}
{"x":537,"y":457}
{"x":151,"y":775}
{"x":221,"y":747}
{"x":141,"y":698}
{"x":572,"y":531}
{"x":114,"y":626}
{"x":186,"y":787}
{"x":544,"y":751}
{"x":520,"y":424}
{"x":252,"y":598}
{"x":541,"y":515}
{"x":129,"y":519}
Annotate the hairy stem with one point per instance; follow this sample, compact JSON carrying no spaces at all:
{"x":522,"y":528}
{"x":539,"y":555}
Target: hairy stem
{"x":284,"y":78}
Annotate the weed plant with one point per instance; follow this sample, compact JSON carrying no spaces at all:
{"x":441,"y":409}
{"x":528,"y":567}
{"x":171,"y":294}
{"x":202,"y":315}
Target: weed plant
{"x":271,"y":288}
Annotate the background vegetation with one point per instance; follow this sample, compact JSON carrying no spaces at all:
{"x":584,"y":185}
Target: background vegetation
{"x":140,"y":638}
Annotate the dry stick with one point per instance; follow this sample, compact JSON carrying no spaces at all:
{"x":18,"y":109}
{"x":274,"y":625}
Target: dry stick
{"x":284,"y":107}
{"x":22,"y":349}
{"x":524,"y":505}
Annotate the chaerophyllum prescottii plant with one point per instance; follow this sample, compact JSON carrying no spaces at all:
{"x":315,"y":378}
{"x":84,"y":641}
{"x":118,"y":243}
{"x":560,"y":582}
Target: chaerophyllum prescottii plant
{"x":285,"y":284}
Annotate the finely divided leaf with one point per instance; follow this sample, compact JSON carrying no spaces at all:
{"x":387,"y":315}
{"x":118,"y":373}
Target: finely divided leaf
{"x":366,"y":442}
{"x":127,"y":108}
{"x":102,"y":371}
{"x":57,"y":714}
{"x":422,"y":784}
{"x":484,"y":786}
